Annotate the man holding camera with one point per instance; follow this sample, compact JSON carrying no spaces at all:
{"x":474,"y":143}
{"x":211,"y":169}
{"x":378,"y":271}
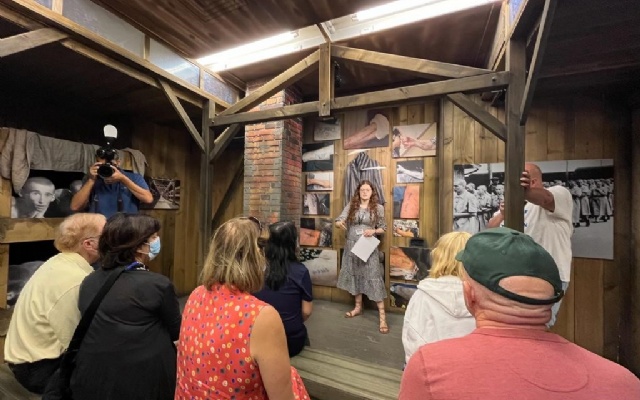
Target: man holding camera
{"x":108,"y":190}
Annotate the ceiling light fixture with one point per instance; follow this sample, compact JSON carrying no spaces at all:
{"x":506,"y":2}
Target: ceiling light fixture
{"x":249,"y":48}
{"x":389,"y":8}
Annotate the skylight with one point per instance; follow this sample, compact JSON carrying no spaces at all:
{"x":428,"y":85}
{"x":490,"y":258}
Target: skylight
{"x":386,"y":16}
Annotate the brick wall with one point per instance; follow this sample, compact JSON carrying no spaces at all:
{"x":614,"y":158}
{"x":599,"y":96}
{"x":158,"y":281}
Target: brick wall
{"x":273,"y":164}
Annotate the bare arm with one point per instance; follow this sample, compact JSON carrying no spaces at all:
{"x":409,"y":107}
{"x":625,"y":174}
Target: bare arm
{"x":307,"y":308}
{"x":320,"y":182}
{"x":538,"y":196}
{"x":144,"y":195}
{"x":268,"y":347}
{"x":498,"y":218}
{"x":80,"y":200}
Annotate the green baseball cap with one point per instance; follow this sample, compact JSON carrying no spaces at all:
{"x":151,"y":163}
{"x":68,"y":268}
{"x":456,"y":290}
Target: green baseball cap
{"x":498,"y":253}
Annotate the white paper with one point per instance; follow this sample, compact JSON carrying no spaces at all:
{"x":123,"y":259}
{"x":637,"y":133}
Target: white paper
{"x":364,"y":247}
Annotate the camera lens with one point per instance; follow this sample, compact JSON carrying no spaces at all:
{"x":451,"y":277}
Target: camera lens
{"x":105,"y":170}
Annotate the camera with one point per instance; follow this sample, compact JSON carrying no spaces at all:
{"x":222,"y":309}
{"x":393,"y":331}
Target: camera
{"x":107,"y":152}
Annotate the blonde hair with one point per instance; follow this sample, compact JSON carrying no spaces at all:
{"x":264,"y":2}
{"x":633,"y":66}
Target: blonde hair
{"x":443,"y":256}
{"x":76,"y":228}
{"x":235,"y":259}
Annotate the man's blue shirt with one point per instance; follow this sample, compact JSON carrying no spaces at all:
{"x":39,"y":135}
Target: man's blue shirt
{"x":104,"y":197}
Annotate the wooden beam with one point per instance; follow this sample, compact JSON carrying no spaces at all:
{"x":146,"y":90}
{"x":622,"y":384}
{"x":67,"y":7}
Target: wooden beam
{"x":415,"y":66}
{"x":238,"y":173}
{"x":223,"y":141}
{"x":168,"y":91}
{"x":274,"y":114}
{"x":288,"y":77}
{"x":526,"y":18}
{"x":481,"y":115}
{"x":127,"y":70}
{"x":29,"y":40}
{"x":19,"y":19}
{"x":206,"y":181}
{"x":324,"y":33}
{"x":18,"y":230}
{"x":35,"y":11}
{"x":325,"y":81}
{"x":514,"y":148}
{"x":477,"y":83}
{"x":536,"y":62}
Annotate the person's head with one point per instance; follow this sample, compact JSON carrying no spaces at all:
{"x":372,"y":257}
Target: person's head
{"x":499,"y":189}
{"x":482,"y":189}
{"x":443,"y":255}
{"x":459,"y":186}
{"x":128,"y":238}
{"x":471,"y":187}
{"x":234,"y":258}
{"x":509,"y":280}
{"x":38,"y":193}
{"x":280,"y":251}
{"x":366,"y":191}
{"x":75,"y":186}
{"x":535,"y":174}
{"x":80,"y":233}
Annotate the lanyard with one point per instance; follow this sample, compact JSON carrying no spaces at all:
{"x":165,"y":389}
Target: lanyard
{"x":134,"y":265}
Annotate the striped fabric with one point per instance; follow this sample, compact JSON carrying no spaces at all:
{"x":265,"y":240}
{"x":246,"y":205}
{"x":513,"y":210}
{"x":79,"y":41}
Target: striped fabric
{"x":357,"y":171}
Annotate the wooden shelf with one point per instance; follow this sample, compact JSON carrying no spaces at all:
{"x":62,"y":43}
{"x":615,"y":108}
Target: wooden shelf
{"x":20,"y":230}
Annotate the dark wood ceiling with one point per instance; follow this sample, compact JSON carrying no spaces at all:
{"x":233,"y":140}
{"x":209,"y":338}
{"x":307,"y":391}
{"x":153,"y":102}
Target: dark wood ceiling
{"x":201,"y":27}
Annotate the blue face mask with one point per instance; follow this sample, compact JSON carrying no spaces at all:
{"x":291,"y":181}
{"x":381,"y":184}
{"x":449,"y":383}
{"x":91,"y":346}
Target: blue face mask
{"x":154,"y":248}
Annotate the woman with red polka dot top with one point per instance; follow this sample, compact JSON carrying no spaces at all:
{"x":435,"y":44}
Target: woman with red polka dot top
{"x":232,"y":345}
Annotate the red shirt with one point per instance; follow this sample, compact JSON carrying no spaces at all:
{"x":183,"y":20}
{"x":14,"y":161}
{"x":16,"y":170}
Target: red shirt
{"x":508,"y":364}
{"x":214,"y":359}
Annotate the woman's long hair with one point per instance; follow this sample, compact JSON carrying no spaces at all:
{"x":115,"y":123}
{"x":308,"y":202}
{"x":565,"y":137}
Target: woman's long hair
{"x":280,"y":252}
{"x":443,"y":255}
{"x":121,"y":237}
{"x":354,"y":206}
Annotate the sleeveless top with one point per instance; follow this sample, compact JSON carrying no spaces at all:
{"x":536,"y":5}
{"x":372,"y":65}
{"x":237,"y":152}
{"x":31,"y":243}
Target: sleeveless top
{"x":214,"y":359}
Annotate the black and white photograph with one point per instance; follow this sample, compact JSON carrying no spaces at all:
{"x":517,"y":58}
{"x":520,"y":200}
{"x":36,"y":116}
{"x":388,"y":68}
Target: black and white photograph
{"x":166,"y":194}
{"x":409,"y":263}
{"x":591,"y":185}
{"x":414,"y":140}
{"x":322,"y":265}
{"x":316,"y":232}
{"x":317,"y":157}
{"x":24,"y":261}
{"x":411,"y":171}
{"x":327,"y":130}
{"x":401,"y":294}
{"x":406,"y":228}
{"x":406,"y":202}
{"x":316,"y":204}
{"x":366,"y":129}
{"x":319,"y":181}
{"x":46,"y":194}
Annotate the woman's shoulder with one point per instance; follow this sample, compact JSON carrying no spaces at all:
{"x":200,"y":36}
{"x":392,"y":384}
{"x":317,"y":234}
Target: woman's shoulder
{"x":380,"y":207}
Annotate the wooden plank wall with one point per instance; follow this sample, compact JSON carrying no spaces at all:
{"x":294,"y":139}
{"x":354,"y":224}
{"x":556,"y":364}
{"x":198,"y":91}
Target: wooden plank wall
{"x":172,"y":153}
{"x":561,"y":129}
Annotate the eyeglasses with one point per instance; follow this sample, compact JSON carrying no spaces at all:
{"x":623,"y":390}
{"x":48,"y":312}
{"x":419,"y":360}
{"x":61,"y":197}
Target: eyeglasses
{"x":254,"y":219}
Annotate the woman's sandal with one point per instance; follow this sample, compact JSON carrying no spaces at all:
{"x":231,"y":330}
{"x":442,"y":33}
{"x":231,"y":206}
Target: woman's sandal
{"x":353,"y":313}
{"x":384,"y":328}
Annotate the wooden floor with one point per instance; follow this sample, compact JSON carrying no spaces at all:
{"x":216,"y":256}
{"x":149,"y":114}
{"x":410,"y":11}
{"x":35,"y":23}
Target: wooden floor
{"x":354,"y":337}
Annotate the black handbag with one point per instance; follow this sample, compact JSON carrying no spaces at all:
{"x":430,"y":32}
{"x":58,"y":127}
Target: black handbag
{"x":59,"y":386}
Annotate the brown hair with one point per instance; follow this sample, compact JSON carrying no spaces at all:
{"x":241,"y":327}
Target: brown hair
{"x":121,"y":237}
{"x":355,"y":203}
{"x":234,"y":258}
{"x":76,"y":228}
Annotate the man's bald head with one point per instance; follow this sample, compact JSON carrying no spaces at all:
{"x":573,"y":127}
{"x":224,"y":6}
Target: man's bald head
{"x":535,"y":173}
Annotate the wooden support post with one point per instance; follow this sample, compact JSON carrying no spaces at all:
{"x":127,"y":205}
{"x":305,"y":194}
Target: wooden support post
{"x":288,"y":77}
{"x":514,"y":157}
{"x":415,"y":66}
{"x":206,"y":181}
{"x":29,"y":40}
{"x":481,"y":115}
{"x":223,"y":141}
{"x":536,"y":61}
{"x":182,"y":113}
{"x":325,"y":81}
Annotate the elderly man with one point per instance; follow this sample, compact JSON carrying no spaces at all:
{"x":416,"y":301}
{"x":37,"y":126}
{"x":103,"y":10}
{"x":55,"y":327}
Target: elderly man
{"x":548,"y":220}
{"x":46,"y":314}
{"x":509,"y":285}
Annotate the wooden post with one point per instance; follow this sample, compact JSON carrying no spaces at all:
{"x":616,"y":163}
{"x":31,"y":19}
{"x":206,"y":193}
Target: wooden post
{"x":514,"y":148}
{"x":325,"y":82}
{"x":206,"y":180}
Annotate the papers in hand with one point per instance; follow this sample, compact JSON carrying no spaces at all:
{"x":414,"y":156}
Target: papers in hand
{"x":364,"y":247}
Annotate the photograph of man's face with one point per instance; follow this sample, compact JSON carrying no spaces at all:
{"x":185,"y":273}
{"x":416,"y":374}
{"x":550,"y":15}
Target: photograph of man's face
{"x":37,"y":194}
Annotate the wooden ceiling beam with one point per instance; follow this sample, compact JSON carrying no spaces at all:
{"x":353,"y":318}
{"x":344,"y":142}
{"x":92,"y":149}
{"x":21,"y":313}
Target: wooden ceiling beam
{"x":222,"y":141}
{"x":29,"y":40}
{"x":401,"y":95}
{"x":481,"y":115}
{"x":325,"y":81}
{"x":546,"y":21}
{"x":415,"y":66}
{"x":171,"y":96}
{"x":285,"y":79}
